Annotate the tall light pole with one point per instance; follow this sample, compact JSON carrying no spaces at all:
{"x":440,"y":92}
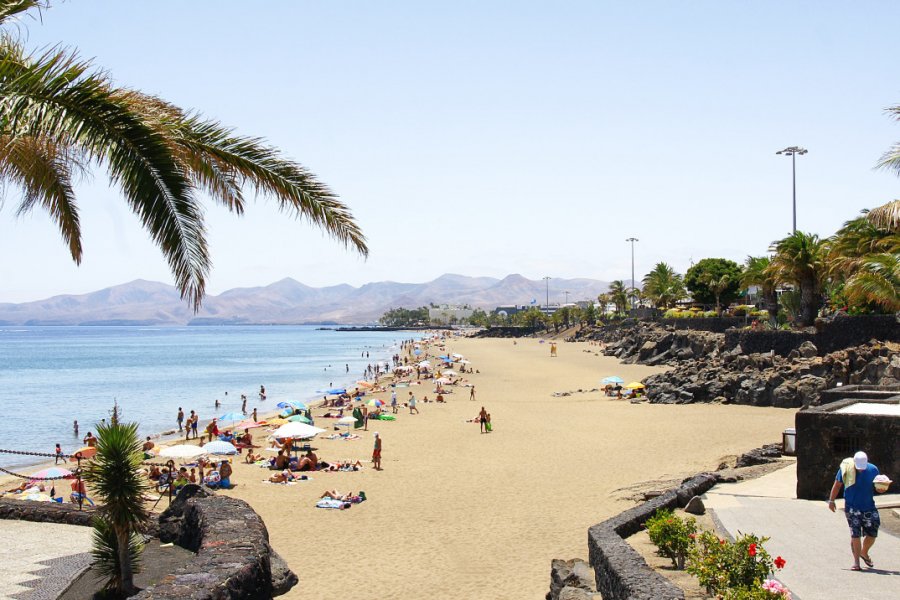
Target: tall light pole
{"x":793,"y":151}
{"x":632,"y":240}
{"x":547,"y":302}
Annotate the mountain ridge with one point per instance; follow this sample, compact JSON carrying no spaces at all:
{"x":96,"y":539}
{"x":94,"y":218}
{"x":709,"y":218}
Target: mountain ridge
{"x":286,"y":301}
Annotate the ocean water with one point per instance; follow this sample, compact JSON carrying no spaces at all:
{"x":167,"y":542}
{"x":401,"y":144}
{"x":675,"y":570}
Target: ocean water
{"x":51,"y":376}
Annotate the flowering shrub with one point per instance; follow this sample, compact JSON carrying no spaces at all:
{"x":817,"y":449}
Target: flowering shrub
{"x":727,"y":568}
{"x":769,"y":590}
{"x":672,"y":535}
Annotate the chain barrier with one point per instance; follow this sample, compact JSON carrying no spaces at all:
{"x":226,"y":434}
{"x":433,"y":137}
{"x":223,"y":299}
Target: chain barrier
{"x":31,"y":478}
{"x":46,"y":454}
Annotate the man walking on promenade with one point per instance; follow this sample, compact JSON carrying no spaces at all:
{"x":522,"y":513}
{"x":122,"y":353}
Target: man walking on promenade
{"x":857,"y":476}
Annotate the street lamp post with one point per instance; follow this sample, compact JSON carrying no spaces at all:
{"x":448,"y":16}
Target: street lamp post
{"x":793,"y":151}
{"x":547,"y":301}
{"x":632,"y":240}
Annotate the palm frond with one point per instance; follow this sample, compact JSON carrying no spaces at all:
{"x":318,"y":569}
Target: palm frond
{"x":877,"y":282}
{"x":43,"y":171}
{"x":886,"y":216}
{"x":55,"y":96}
{"x":13,"y":8}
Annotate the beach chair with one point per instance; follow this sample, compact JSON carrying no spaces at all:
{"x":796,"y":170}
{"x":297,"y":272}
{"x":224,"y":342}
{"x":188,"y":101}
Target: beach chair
{"x":75,"y":497}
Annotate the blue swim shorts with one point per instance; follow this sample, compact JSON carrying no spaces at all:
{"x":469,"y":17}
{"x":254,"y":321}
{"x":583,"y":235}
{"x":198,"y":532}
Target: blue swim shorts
{"x":863,"y":523}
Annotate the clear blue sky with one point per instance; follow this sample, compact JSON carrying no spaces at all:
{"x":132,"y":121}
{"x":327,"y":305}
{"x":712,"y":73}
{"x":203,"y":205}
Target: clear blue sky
{"x":488,"y":138}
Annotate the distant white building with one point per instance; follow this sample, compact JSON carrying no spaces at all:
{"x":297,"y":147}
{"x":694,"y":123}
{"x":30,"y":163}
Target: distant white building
{"x":448,"y":313}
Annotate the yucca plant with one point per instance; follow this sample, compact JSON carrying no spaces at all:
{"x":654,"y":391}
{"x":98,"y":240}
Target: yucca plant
{"x":120,"y":491}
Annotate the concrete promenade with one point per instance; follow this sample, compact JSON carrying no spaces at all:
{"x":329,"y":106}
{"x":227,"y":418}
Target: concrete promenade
{"x":39,"y":560}
{"x":814,"y":541}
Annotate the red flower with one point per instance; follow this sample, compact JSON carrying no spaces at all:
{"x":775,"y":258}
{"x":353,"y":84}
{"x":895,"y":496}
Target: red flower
{"x":751,"y":550}
{"x":779,"y":563}
{"x":693,"y":536}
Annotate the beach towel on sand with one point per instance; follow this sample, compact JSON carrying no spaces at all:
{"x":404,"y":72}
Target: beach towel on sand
{"x":848,"y":472}
{"x":327,"y":503}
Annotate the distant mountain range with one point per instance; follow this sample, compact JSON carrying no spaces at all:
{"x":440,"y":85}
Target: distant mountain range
{"x":286,"y":302}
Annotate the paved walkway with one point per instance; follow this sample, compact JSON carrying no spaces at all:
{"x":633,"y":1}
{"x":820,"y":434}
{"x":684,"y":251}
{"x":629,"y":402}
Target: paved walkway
{"x":814,"y":541}
{"x":39,"y":560}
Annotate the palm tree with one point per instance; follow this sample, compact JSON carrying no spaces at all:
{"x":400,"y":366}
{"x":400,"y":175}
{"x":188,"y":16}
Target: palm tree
{"x":59,"y":116}
{"x":717,"y":285}
{"x":800,"y":260}
{"x":865,"y":257}
{"x":588,"y":314}
{"x":756,"y":273}
{"x":117,"y":484}
{"x":888,"y":215}
{"x":663,"y":286}
{"x":618,"y":294}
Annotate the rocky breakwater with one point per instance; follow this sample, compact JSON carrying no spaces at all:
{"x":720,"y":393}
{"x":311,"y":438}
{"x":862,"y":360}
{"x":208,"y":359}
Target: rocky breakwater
{"x":650,"y":343}
{"x":766,"y":379}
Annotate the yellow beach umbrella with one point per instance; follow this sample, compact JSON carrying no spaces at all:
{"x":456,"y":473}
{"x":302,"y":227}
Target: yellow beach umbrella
{"x":635,"y":385}
{"x":276,"y":421}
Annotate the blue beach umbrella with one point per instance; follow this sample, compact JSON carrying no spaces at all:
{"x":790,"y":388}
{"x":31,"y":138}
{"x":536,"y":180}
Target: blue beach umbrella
{"x":612,"y":379}
{"x":296,"y":405}
{"x":232,"y":416}
{"x":335,"y":391}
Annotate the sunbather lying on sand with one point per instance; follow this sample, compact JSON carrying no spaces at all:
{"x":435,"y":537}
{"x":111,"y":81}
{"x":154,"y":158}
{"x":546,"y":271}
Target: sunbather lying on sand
{"x":282,"y":477}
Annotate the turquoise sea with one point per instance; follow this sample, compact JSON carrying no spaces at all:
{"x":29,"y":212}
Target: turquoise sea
{"x":51,"y":376}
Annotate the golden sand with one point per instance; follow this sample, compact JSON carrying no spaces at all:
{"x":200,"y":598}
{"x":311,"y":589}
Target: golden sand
{"x":458,"y":514}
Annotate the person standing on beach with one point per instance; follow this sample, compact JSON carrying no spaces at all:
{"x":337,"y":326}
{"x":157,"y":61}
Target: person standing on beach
{"x":180,"y":418}
{"x":195,"y":420}
{"x":59,"y":455}
{"x":857,"y":476}
{"x":482,"y":419}
{"x":394,"y":402}
{"x":412,"y":404}
{"x":376,"y":452}
{"x":254,"y":416}
{"x":472,"y":393}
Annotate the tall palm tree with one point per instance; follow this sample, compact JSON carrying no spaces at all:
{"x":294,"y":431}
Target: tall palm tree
{"x":618,"y":295}
{"x":888,"y":215}
{"x":800,"y":260}
{"x":59,"y":116}
{"x":877,"y":282}
{"x":717,"y":285}
{"x":663,"y":286}
{"x":756,"y":272}
{"x":120,"y":489}
{"x":864,"y":256}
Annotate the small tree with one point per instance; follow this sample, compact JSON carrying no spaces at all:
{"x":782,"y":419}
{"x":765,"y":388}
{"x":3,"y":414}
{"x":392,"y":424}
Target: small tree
{"x":121,"y":490}
{"x":698,"y":277}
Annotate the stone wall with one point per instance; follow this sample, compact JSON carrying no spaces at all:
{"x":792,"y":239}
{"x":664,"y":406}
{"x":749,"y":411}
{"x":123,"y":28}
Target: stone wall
{"x":44,"y":512}
{"x":825,"y":438}
{"x":233,"y":561}
{"x":621,"y":573}
{"x":830,"y":335}
{"x":713,"y":324}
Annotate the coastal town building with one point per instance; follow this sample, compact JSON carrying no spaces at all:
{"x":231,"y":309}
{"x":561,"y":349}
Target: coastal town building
{"x":447,"y":314}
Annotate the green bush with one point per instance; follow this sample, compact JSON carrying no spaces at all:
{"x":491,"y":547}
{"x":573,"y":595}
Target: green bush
{"x":721,"y":566}
{"x":672,"y":535}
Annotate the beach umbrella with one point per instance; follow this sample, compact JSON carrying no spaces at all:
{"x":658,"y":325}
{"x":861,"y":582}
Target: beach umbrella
{"x":86,"y":452}
{"x":445,"y":358}
{"x":346,"y":421}
{"x":635,"y":385}
{"x":292,"y":404}
{"x":365,"y":384}
{"x":442,"y":380}
{"x":448,"y":372}
{"x":299,"y":419}
{"x":182,"y":451}
{"x":455,"y":355}
{"x":219,"y":447}
{"x":465,"y":362}
{"x":276,"y":421}
{"x":612,"y":379}
{"x":286,"y":413}
{"x":52,"y":472}
{"x":425,"y":364}
{"x":232,"y":416}
{"x":246,"y":424}
{"x":417,"y":352}
{"x":296,"y":430}
{"x":375,"y":402}
{"x":335,"y":391}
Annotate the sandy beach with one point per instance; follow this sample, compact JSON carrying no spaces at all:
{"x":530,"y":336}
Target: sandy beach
{"x":459,"y":514}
